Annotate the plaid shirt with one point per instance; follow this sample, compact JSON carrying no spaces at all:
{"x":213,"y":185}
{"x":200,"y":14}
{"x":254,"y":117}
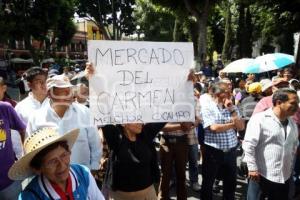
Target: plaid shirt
{"x":212,"y":114}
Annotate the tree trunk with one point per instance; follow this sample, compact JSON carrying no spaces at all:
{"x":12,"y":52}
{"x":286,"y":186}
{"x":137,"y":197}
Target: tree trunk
{"x":176,"y":30}
{"x":201,"y":15}
{"x":228,"y":34}
{"x":202,"y":39}
{"x":114,"y":16}
{"x":202,"y":25}
{"x":247,"y":39}
{"x":298,"y":54}
{"x":103,"y":31}
{"x":194,"y":36}
{"x":240,"y":29}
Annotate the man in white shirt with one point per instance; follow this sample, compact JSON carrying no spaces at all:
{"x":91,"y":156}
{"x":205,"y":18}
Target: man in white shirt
{"x":66,"y":115}
{"x":270,"y":145}
{"x":37,"y":98}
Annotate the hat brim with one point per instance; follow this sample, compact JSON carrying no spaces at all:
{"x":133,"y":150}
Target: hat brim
{"x":60,"y":86}
{"x":21,"y":169}
{"x":267,"y":86}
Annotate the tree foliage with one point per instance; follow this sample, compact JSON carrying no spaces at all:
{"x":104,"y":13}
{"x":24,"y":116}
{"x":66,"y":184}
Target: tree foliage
{"x":113,"y":17}
{"x":199,"y":10}
{"x":156,"y":23}
{"x":49,"y":22}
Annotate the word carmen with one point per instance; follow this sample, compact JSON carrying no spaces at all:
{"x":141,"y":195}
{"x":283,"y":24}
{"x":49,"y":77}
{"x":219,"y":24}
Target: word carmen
{"x":134,"y":100}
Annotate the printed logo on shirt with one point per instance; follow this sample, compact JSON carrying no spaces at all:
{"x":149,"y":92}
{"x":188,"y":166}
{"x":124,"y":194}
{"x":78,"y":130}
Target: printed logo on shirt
{"x":2,"y":138}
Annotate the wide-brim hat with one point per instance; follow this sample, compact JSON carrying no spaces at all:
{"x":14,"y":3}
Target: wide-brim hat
{"x":34,"y":144}
{"x":265,"y":83}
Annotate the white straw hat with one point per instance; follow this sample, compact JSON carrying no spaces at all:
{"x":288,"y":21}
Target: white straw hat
{"x":265,"y":84}
{"x":35,"y":143}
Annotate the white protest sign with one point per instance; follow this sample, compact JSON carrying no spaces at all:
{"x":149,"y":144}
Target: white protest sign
{"x":141,"y":82}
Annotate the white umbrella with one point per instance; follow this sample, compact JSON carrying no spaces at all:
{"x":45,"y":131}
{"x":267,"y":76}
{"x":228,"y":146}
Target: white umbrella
{"x":270,"y":62}
{"x":238,"y":66}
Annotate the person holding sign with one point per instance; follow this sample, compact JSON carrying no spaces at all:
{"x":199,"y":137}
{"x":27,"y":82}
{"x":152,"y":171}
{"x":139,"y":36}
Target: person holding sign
{"x":133,"y":166}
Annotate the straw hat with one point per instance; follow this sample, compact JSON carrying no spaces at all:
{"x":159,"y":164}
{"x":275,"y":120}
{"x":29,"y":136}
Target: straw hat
{"x":266,"y":83}
{"x":35,"y":143}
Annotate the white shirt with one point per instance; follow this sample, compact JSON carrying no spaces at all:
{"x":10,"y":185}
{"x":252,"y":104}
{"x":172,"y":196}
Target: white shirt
{"x":266,"y":149}
{"x":27,"y":106}
{"x":87,"y":149}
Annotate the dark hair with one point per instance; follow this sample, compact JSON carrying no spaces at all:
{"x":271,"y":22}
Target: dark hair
{"x":198,"y":87}
{"x":218,"y":88}
{"x":32,"y":72}
{"x":282,"y":95}
{"x":37,"y":160}
{"x":2,"y":81}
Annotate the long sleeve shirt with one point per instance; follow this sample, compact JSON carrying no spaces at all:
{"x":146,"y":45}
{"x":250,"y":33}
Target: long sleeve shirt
{"x":87,"y":149}
{"x":266,"y":148}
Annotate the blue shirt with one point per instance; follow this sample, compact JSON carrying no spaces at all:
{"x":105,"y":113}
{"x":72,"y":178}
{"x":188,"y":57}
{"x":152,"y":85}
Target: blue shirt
{"x":83,"y":186}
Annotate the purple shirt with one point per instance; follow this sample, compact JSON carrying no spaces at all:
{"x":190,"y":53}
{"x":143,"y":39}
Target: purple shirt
{"x":8,"y":120}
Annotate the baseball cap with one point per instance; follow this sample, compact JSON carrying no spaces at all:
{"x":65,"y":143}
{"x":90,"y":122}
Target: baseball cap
{"x":254,"y":88}
{"x":59,"y":81}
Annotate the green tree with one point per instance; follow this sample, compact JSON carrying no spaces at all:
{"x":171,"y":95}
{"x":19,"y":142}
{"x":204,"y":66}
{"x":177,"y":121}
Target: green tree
{"x":200,"y":11}
{"x":113,"y":17}
{"x":49,"y":22}
{"x":156,"y":23}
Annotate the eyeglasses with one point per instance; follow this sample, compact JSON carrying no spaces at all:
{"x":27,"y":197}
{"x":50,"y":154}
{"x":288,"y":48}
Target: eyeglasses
{"x":53,"y":163}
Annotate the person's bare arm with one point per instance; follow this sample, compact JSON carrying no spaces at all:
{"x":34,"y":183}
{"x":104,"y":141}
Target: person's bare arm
{"x":217,"y":128}
{"x":170,"y":127}
{"x":22,"y":134}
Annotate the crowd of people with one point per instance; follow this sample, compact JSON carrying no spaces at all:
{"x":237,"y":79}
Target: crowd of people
{"x":50,"y":150}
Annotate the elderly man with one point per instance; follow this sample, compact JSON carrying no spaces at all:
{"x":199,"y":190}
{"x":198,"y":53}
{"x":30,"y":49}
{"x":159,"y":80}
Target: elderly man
{"x":67,"y":115}
{"x":220,"y":121}
{"x":270,"y":145}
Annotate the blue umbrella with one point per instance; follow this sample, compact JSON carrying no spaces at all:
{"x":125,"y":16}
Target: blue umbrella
{"x":270,"y":62}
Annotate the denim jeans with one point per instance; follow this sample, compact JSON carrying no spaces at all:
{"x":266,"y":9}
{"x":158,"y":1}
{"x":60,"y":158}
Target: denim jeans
{"x":12,"y":191}
{"x":253,"y":191}
{"x":213,"y":161}
{"x":193,"y":163}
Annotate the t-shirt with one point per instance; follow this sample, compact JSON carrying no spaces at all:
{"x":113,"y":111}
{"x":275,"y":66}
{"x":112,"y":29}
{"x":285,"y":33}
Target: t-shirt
{"x":8,"y":120}
{"x":133,"y":169}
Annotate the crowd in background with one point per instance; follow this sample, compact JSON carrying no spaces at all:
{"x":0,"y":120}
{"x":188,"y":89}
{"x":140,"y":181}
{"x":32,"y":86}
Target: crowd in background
{"x":67,"y":157}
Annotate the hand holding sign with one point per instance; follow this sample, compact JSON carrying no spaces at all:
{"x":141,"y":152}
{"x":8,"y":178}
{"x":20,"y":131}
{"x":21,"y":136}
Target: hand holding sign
{"x":140,"y":82}
{"x":89,"y":70}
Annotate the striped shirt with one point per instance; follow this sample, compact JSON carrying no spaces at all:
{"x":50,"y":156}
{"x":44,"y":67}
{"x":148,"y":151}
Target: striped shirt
{"x":212,"y":114}
{"x":266,"y":149}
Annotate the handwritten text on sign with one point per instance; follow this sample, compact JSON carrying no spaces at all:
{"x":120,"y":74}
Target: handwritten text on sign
{"x":140,"y":82}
